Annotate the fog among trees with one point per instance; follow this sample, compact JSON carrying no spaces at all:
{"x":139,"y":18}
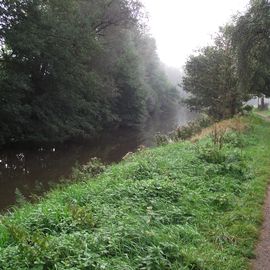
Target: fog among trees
{"x":222,"y":77}
{"x":71,"y":68}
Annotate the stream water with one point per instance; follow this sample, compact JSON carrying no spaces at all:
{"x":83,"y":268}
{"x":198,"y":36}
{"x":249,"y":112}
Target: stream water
{"x":31,"y":170}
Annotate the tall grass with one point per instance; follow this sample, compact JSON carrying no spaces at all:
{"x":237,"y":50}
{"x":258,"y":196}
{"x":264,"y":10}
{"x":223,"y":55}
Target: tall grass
{"x":179,"y":206}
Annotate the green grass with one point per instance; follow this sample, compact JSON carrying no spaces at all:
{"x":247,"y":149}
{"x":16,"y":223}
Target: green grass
{"x":263,"y":112}
{"x":179,"y":206}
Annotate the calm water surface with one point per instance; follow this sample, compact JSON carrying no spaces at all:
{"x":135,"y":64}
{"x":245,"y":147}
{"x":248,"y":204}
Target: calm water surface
{"x":32,"y":170}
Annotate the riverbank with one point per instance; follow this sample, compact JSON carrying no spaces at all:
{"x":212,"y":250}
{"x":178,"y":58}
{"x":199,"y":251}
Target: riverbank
{"x":33,"y":170}
{"x":187,"y":205}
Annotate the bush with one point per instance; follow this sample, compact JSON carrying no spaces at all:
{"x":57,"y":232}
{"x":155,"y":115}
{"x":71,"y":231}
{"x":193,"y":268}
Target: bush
{"x":181,"y":206}
{"x":91,"y":169}
{"x":211,"y":154}
{"x":162,"y":139}
{"x":235,"y":139}
{"x":184,"y":132}
{"x":247,"y":108}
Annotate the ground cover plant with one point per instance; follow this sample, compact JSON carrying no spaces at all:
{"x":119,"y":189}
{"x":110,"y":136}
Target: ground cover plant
{"x":263,"y":112}
{"x":185,"y":132}
{"x":186,"y":205}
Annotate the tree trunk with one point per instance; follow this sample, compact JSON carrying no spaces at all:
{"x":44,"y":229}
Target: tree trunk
{"x":262,"y":102}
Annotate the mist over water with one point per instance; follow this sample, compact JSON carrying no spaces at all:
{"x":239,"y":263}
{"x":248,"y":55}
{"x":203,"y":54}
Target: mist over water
{"x":32,"y":170}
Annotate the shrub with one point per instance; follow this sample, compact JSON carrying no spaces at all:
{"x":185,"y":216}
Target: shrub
{"x":211,"y":154}
{"x":247,"y":109}
{"x":184,"y":132}
{"x":162,"y":139}
{"x":217,"y":136}
{"x":91,"y":169}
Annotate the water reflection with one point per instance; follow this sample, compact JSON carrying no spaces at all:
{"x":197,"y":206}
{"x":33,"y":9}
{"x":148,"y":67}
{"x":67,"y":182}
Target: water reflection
{"x":25,"y":169}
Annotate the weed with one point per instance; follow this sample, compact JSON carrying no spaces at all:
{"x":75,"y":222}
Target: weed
{"x":217,"y":136}
{"x":184,"y":132}
{"x":179,"y":206}
{"x":92,"y":168}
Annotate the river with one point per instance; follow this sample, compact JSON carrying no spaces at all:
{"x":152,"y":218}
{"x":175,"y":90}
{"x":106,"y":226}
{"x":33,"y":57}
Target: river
{"x":31,"y":170}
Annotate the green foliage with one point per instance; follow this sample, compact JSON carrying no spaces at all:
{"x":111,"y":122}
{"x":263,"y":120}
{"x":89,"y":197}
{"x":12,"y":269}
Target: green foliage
{"x":71,"y":68}
{"x":211,"y":79}
{"x":92,"y":168}
{"x":129,"y":80}
{"x":193,"y":128}
{"x":217,"y":136}
{"x":162,"y":139}
{"x":20,"y":198}
{"x":179,"y":206}
{"x":247,"y":109}
{"x":184,"y":132}
{"x":235,"y":139}
{"x":251,"y":40}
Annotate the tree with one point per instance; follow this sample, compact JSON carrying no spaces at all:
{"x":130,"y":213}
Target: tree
{"x":251,"y":40}
{"x":70,"y":68}
{"x":49,"y":50}
{"x":211,"y":79}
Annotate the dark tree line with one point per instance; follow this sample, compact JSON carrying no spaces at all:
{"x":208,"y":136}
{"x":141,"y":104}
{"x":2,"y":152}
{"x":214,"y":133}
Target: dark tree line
{"x":69,"y":68}
{"x":220,"y":78}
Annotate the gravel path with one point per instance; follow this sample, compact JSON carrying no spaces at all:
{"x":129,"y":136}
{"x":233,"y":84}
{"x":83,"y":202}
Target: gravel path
{"x":262,"y":261}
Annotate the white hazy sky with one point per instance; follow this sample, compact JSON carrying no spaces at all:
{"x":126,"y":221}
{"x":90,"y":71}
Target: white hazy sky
{"x":182,"y":26}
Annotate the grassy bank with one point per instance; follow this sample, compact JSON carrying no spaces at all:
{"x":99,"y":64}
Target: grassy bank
{"x":180,"y":206}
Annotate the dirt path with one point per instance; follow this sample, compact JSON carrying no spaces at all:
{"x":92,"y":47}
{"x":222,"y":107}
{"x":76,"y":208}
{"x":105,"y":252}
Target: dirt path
{"x":265,"y":117}
{"x":262,"y":261}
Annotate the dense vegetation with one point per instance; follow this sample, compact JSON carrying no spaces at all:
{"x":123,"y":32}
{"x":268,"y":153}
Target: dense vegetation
{"x":72,"y":67}
{"x":221,"y":77}
{"x":251,"y":40}
{"x":69,"y":68}
{"x":180,"y":206}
